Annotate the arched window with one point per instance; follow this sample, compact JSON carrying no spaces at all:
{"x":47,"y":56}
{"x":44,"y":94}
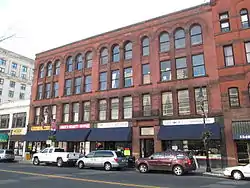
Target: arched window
{"x":41,"y":71}
{"x":145,"y":46}
{"x":164,"y":42}
{"x":69,"y":64}
{"x":128,"y":51}
{"x":244,"y":18}
{"x":89,"y":57}
{"x":116,"y":53}
{"x":196,"y":35}
{"x":49,"y":69}
{"x":79,"y":62}
{"x":233,"y":95}
{"x":179,"y":37}
{"x":104,"y":56}
{"x":57,"y":67}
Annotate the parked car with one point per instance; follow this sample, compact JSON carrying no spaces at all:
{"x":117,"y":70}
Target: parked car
{"x":238,"y":172}
{"x":106,"y":159}
{"x":55,"y":155}
{"x":178,"y":162}
{"x":7,"y":155}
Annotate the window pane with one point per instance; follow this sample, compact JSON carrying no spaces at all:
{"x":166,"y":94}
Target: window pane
{"x":88,"y":84}
{"x":165,"y":70}
{"x":198,"y":102}
{"x":102,"y":109}
{"x":146,"y":74}
{"x":247,"y":47}
{"x":128,"y":51}
{"x":198,"y":65}
{"x":145,"y":47}
{"x":127,"y":107}
{"x":116,"y":54}
{"x":183,"y":102}
{"x":181,"y":66}
{"x":103,"y":81}
{"x":234,"y":97}
{"x":167,"y":104}
{"x":115,"y":108}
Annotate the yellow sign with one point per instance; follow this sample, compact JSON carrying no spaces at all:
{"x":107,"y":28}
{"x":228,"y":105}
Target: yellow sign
{"x":18,"y":131}
{"x":40,"y":128}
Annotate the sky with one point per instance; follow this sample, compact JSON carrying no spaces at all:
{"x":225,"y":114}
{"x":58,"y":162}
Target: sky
{"x":40,"y":25}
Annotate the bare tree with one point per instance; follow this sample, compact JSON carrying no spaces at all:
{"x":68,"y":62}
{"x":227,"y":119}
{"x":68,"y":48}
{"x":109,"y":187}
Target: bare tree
{"x":3,"y":38}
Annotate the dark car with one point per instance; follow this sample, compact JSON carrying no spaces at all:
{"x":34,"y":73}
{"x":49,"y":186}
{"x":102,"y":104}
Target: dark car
{"x":178,"y":162}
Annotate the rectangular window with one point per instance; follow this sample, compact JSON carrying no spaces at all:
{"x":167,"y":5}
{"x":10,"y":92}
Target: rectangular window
{"x":1,"y":91}
{"x":127,"y":107}
{"x":21,"y":96}
{"x":128,"y":77}
{"x":66,"y":113}
{"x":23,"y":76}
{"x":146,"y":105}
{"x":115,"y":79}
{"x":23,"y":87}
{"x":233,"y":94}
{"x":201,"y":104}
{"x":146,"y":74}
{"x":67,"y":87}
{"x":12,"y":84}
{"x":13,"y":73}
{"x":14,"y":66}
{"x":78,"y":83}
{"x":2,"y":62}
{"x":103,"y":81}
{"x":198,"y":65}
{"x":181,"y":68}
{"x":224,"y":22}
{"x":88,"y":84}
{"x":45,"y":115}
{"x":55,"y":89}
{"x":47,"y":90}
{"x":115,"y":108}
{"x":37,"y":116}
{"x":165,"y":70}
{"x":11,"y":94}
{"x":39,"y":92}
{"x":19,"y":120}
{"x":102,"y":109}
{"x":86,"y":111}
{"x":247,"y":48}
{"x":1,"y":81}
{"x":76,"y":112}
{"x":183,"y":102}
{"x":4,"y":121}
{"x":167,"y":104}
{"x":53,"y":112}
{"x":24,"y":68}
{"x":2,"y":70}
{"x":228,"y":55}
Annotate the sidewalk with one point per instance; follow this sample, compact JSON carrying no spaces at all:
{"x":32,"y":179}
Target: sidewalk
{"x":21,"y":160}
{"x":216,"y":172}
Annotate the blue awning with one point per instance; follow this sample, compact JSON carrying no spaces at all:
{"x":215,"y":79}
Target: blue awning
{"x":72,"y":135}
{"x":188,"y":132}
{"x":110,"y":134}
{"x":35,"y":136}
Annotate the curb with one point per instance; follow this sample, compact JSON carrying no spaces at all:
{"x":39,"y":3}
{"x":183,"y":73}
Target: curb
{"x":211,"y":174}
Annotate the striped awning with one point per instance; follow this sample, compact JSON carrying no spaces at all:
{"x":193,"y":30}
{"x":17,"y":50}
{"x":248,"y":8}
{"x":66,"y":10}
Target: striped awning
{"x":241,"y":130}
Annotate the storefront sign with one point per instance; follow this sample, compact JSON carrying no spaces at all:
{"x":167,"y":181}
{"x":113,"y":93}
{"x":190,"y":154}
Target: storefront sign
{"x":40,"y":128}
{"x":77,"y":126}
{"x":18,"y":131}
{"x":4,"y":138}
{"x":188,"y":121}
{"x":244,"y":136}
{"x":113,"y":124}
{"x":147,"y":131}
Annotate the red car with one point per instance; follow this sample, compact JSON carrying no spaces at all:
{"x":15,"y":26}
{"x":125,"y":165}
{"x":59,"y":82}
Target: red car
{"x":178,"y":162}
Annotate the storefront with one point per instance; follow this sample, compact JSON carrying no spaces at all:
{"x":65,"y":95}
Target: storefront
{"x":111,"y":136}
{"x":17,"y":142}
{"x":241,"y":136}
{"x":4,"y":137}
{"x":186,"y":134}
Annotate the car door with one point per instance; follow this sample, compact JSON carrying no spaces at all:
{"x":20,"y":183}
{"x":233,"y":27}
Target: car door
{"x":154,"y":161}
{"x":246,"y":171}
{"x":88,"y":159}
{"x":44,"y":155}
{"x":167,"y":161}
{"x":98,"y":159}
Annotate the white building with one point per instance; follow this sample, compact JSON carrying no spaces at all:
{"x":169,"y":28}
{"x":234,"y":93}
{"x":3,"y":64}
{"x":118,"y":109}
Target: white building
{"x":16,"y":75}
{"x":14,"y":117}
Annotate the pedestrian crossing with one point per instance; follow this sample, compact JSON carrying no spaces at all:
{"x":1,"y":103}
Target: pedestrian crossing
{"x":226,"y":184}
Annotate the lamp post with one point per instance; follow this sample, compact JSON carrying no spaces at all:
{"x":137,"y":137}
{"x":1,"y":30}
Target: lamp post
{"x":206,"y":134}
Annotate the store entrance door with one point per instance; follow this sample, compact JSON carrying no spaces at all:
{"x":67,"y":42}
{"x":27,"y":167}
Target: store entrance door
{"x":146,"y":147}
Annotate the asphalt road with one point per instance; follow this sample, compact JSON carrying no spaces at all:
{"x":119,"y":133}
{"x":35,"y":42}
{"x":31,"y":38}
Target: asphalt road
{"x":13,"y":175}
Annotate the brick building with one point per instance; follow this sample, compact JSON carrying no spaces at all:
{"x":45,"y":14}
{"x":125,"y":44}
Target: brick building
{"x":232,"y":38}
{"x":135,"y":88}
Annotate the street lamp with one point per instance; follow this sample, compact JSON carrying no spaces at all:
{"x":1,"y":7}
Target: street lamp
{"x":206,"y":134}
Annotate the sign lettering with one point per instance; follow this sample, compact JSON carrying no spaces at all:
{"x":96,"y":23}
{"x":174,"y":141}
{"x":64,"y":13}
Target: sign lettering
{"x":40,"y":128}
{"x":77,"y":126}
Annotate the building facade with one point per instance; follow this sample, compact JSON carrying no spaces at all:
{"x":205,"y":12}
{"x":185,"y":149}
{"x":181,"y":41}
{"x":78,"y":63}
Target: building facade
{"x":16,"y":75}
{"x":232,"y":37}
{"x":14,"y":117}
{"x":135,"y":89}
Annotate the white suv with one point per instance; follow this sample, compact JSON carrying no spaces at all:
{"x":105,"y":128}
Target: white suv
{"x":7,"y":155}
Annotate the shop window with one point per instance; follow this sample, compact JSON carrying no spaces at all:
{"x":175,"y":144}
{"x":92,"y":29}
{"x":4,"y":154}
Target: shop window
{"x":242,"y":152}
{"x":79,"y":62}
{"x":47,"y":90}
{"x":86,"y":111}
{"x":19,"y":120}
{"x":127,"y":107}
{"x":146,"y":105}
{"x":146,"y":77}
{"x":196,"y":35}
{"x":166,"y":71}
{"x":67,"y":87}
{"x":164,"y":42}
{"x":224,"y":22}
{"x":53,"y":112}
{"x":197,"y":93}
{"x":116,"y":53}
{"x":233,"y":94}
{"x":128,"y":77}
{"x":102,"y":109}
{"x":228,"y":55}
{"x":49,"y":69}
{"x":77,"y":85}
{"x":181,"y":68}
{"x":57,"y":67}
{"x":104,"y":56}
{"x":247,"y":51}
{"x":103,"y":81}
{"x":37,"y":115}
{"x":167,"y":104}
{"x":88,"y":83}
{"x":41,"y":71}
{"x":180,"y":39}
{"x":66,"y":113}
{"x":89,"y":56}
{"x":183,"y":102}
{"x":4,"y":121}
{"x":55,"y":89}
{"x":198,"y":65}
{"x":75,"y":112}
{"x":114,"y":108}
{"x":128,"y":50}
{"x":115,"y":79}
{"x":69,"y":64}
{"x":245,"y":23}
{"x":145,"y":46}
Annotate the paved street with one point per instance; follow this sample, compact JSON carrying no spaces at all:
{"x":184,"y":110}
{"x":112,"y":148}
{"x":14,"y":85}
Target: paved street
{"x":26,"y":175}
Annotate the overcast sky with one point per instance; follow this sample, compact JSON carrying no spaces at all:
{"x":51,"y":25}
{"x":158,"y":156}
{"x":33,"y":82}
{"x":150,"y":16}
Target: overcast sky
{"x":40,"y":25}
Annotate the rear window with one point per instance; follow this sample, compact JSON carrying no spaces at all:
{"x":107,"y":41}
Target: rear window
{"x":59,"y":150}
{"x":10,"y":152}
{"x":119,"y":154}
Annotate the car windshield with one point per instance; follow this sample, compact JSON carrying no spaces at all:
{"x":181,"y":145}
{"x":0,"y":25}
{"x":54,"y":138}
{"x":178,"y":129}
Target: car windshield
{"x":10,"y":152}
{"x":119,"y":154}
{"x":59,"y":150}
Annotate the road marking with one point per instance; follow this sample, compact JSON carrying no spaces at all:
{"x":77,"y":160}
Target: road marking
{"x":3,"y":182}
{"x":80,"y":179}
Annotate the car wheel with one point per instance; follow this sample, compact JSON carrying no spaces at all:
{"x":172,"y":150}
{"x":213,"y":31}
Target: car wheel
{"x":36,"y":161}
{"x":178,"y":170}
{"x":80,"y":165}
{"x":107,"y":166}
{"x":59,"y":162}
{"x":237,"y":175}
{"x":143,"y":168}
